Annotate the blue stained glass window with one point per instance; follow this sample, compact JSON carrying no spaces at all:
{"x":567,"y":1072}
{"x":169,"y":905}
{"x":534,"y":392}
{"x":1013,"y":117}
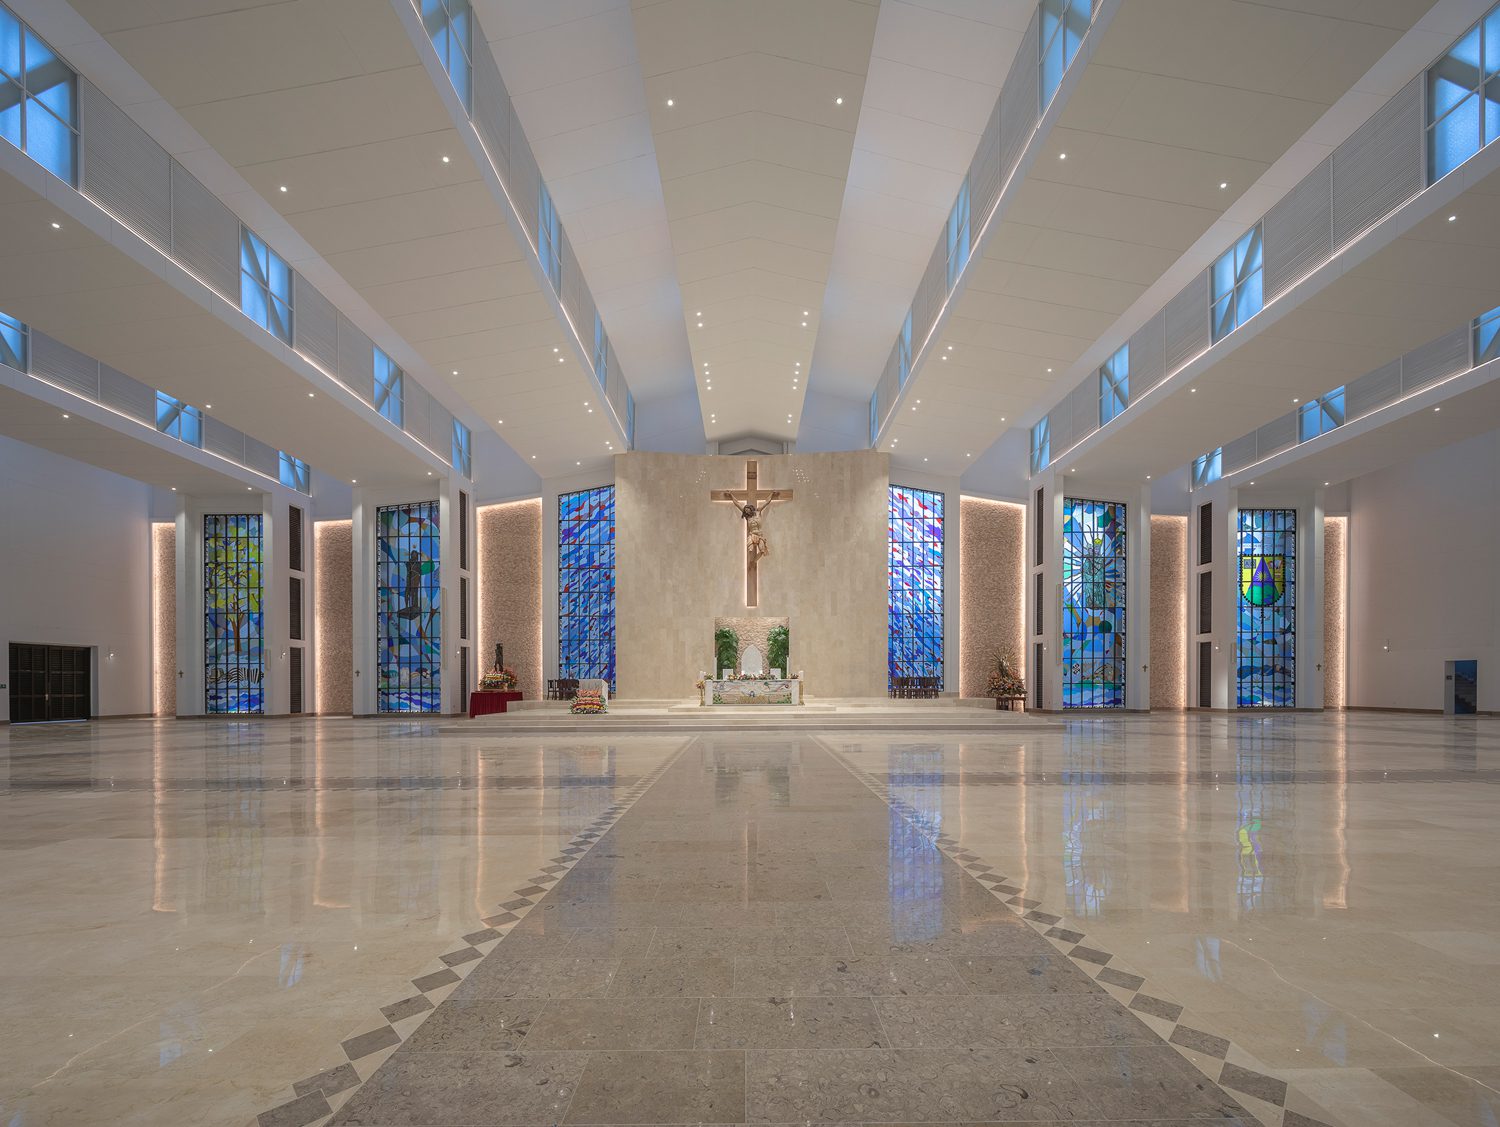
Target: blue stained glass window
{"x":450,"y":26}
{"x":958,"y":234}
{"x":463,"y":458}
{"x":586,"y":584}
{"x":408,"y":608}
{"x":1236,"y":284}
{"x":295,"y":473}
{"x":1266,"y":622}
{"x":265,"y":286}
{"x":1320,"y":415}
{"x":13,"y":341}
{"x":1062,"y":24}
{"x":916,"y":584}
{"x":1114,"y":385}
{"x":1208,"y":468}
{"x":389,"y":389}
{"x":176,"y":419}
{"x":1041,"y":445}
{"x":1486,"y":336}
{"x":1093,"y":627}
{"x":38,"y":99}
{"x":233,"y":623}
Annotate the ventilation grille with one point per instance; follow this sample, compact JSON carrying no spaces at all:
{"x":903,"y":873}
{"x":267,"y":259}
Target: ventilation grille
{"x":1298,"y":231}
{"x":316,"y":325}
{"x":294,"y":539}
{"x":1038,"y":526}
{"x":356,"y":360}
{"x":130,"y":397}
{"x":1185,"y":323}
{"x":1205,"y":602}
{"x":222,"y":439}
{"x":1277,"y":435}
{"x":1036,"y":601}
{"x":463,"y":530}
{"x":1148,"y":356}
{"x":124,"y":171}
{"x":1436,"y":360}
{"x":1205,"y":675}
{"x":1018,"y":100}
{"x":296,"y":677}
{"x":205,"y":235}
{"x":492,"y":114}
{"x":463,"y":607}
{"x":1239,"y":454}
{"x":262,"y":458}
{"x":1036,"y":674}
{"x":1206,"y":533}
{"x":295,"y":616}
{"x":1372,"y":391}
{"x":1380,"y":166}
{"x":66,"y":367}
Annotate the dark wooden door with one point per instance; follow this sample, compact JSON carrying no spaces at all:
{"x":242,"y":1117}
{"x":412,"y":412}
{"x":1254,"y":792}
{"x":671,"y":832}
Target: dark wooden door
{"x":48,"y":683}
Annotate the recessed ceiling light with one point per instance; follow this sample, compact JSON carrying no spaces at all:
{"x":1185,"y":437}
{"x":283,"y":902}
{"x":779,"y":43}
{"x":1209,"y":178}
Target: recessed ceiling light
{"x":805,"y":313}
{"x":578,"y":463}
{"x":838,"y":101}
{"x":1325,"y":483}
{"x":1049,"y":369}
{"x":1437,"y":408}
{"x":1296,"y":400}
{"x":968,"y":455}
{"x":1223,"y":184}
{"x":804,"y":324}
{"x":950,"y":348}
{"x":445,"y":160}
{"x":1451,"y":218}
{"x":309,"y":395}
{"x":945,"y":356}
{"x":1192,"y":389}
{"x":500,"y":421}
{"x":429,"y":473}
{"x":1148,"y":477}
{"x":455,"y":371}
{"x":249,"y":489}
{"x":1252,"y":483}
{"x":562,"y":359}
{"x":1062,"y":156}
{"x":699,"y":313}
{"x":556,"y":350}
{"x":174,"y":489}
{"x":533,"y":457}
{"x":354,"y":481}
{"x":700,"y":324}
{"x":57,"y":226}
{"x":67,"y":416}
{"x":283,"y":187}
{"x":670,"y":102}
{"x":1002,"y":418}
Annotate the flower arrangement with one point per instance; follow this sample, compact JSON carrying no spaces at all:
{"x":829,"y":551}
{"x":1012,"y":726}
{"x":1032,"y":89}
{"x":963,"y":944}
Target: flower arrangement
{"x":1004,"y":680}
{"x":588,"y":702}
{"x":502,"y":680}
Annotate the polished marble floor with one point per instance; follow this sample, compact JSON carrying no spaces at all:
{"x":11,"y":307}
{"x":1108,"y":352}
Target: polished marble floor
{"x":1159,"y":919}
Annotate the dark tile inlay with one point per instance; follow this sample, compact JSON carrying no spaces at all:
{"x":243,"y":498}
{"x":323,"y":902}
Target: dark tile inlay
{"x":331,"y":1081}
{"x":1255,"y":1084}
{"x":1200,"y":1042}
{"x":475,"y":937}
{"x":1121,"y":979}
{"x":373,"y":1041}
{"x":1065,"y":935}
{"x":296,"y":1113}
{"x":459,"y":957}
{"x":434,"y":980}
{"x":1091,"y":955}
{"x":399,"y":1011}
{"x":1156,"y":1007}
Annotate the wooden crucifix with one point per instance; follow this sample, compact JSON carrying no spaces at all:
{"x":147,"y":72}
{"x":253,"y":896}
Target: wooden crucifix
{"x":752,"y":502}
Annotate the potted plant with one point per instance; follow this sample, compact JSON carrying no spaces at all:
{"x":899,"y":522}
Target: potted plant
{"x":1006,"y":685}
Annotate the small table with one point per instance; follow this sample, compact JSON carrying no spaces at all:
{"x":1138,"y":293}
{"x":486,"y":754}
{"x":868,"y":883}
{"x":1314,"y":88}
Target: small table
{"x":485,"y":702}
{"x":1011,"y":704}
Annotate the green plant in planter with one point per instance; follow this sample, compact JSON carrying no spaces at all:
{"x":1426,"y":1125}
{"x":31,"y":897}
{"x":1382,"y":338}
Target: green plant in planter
{"x":778,"y":645}
{"x":726,"y":650}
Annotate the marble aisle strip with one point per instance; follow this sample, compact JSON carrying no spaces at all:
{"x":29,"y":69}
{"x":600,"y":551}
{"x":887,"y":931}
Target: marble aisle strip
{"x":317,"y":1096}
{"x":1270,"y":1098}
{"x":760,"y":940}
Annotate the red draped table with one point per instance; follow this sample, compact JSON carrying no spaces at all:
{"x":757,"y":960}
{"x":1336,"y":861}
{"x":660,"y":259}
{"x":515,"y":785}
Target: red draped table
{"x":485,"y":703}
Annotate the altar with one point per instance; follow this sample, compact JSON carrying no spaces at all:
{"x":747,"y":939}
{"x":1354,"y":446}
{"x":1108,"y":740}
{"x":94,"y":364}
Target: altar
{"x":764,"y":690}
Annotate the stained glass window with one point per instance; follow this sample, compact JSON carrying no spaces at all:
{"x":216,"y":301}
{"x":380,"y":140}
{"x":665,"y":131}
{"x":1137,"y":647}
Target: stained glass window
{"x":38,"y":98}
{"x":265,"y":286}
{"x":1266,"y":624}
{"x":1235,"y":284}
{"x":408,"y":610}
{"x":1463,"y":98}
{"x":1093,"y":628}
{"x":586,"y":584}
{"x":916,"y":599}
{"x":233,"y":624}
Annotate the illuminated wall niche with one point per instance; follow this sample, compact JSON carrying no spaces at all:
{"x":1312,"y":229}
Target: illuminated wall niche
{"x":916,"y":584}
{"x":586,"y":584}
{"x":1266,"y":619}
{"x":408,"y":609}
{"x":233,"y":623}
{"x":1093,"y":626}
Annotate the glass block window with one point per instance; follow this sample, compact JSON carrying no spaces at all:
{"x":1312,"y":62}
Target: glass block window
{"x":1266,"y":620}
{"x":408,"y":609}
{"x":13,"y":343}
{"x":1041,"y":445}
{"x":389,"y":387}
{"x":1208,"y":468}
{"x":38,"y":99}
{"x":1062,"y":26}
{"x":958,"y":234}
{"x":176,"y":419}
{"x":1486,"y":336}
{"x":295,"y":474}
{"x":903,"y":352}
{"x":1236,"y":284}
{"x":1320,"y":415}
{"x":1114,"y":385}
{"x":549,"y":237}
{"x":233,"y":622}
{"x":265,"y":286}
{"x":1463,"y":98}
{"x":450,"y":26}
{"x":916,"y":584}
{"x":1093,"y":626}
{"x":586,"y":584}
{"x":463,"y":456}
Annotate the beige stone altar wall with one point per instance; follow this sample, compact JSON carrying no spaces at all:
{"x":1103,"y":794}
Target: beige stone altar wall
{"x":992,"y":563}
{"x":510,"y":590}
{"x":333,"y":615}
{"x":1169,"y":637}
{"x":680,"y":563}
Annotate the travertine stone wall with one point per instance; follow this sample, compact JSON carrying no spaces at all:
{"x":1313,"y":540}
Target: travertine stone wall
{"x":333,"y":615}
{"x":1169,"y":569}
{"x":164,"y":619}
{"x":992,"y":566}
{"x":1335,"y":638}
{"x":510,"y":590}
{"x":681,"y":564}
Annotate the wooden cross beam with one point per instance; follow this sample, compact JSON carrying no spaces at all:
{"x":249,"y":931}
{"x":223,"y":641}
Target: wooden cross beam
{"x":752,"y":494}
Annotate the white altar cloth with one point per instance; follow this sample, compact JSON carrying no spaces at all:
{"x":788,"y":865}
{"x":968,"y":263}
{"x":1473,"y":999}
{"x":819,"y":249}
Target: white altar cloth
{"x":762,"y":691}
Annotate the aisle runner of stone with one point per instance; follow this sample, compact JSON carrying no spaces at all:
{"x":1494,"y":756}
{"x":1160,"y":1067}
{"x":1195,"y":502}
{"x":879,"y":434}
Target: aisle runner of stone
{"x":760,"y":939}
